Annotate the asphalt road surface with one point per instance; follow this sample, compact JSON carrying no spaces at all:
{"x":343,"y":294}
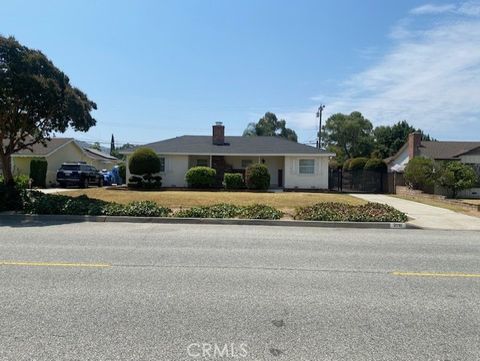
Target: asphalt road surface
{"x":91,"y":291}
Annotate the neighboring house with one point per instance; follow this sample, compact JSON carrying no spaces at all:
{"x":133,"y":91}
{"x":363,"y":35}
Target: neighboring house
{"x":56,"y":152}
{"x":290,"y":164}
{"x":465,"y":152}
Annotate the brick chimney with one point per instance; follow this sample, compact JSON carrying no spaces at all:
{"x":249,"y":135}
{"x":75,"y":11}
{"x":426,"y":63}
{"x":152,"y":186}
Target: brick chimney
{"x":218,"y":137}
{"x":414,"y":141}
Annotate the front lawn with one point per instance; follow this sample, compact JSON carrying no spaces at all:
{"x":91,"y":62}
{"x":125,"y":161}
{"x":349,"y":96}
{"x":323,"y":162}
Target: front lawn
{"x":287,"y":201}
{"x":35,"y":202}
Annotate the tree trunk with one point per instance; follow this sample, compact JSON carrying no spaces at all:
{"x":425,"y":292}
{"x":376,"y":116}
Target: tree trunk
{"x":7,"y":169}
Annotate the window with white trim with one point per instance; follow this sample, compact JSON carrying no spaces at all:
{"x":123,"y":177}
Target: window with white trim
{"x":202,"y":162}
{"x":162,"y":164}
{"x":306,"y":166}
{"x":246,"y":163}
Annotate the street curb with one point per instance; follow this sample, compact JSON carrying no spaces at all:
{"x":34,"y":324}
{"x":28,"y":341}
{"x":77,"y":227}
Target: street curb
{"x":221,"y":221}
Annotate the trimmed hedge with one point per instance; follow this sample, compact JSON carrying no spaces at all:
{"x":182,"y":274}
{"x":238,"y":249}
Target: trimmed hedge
{"x":38,"y":171}
{"x":200,"y":177}
{"x":257,"y":177}
{"x":144,"y":161}
{"x":376,"y":165}
{"x":39,"y":203}
{"x":233,"y":181}
{"x":346,"y":165}
{"x":224,"y":210}
{"x":259,"y":211}
{"x":221,"y":210}
{"x":143,"y":164}
{"x":341,"y":212}
{"x":357,"y":164}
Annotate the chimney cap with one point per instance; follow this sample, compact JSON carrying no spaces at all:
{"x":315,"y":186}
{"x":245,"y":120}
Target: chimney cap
{"x":218,"y":123}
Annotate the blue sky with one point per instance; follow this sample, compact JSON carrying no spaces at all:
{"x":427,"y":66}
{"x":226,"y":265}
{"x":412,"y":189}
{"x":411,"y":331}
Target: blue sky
{"x":159,"y":69}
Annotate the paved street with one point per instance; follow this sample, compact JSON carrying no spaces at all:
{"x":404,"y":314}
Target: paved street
{"x":426,"y":216}
{"x":93,"y":291}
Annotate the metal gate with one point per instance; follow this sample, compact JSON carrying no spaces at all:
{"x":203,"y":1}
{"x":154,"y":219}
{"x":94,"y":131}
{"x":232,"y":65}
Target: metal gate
{"x":364,"y":181}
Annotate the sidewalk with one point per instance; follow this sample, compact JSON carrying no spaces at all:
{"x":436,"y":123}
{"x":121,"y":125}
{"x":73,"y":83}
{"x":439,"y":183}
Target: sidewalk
{"x":426,"y":216}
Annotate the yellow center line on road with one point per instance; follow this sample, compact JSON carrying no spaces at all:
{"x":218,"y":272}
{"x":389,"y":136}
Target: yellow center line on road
{"x":437,"y":274}
{"x":54,"y":264}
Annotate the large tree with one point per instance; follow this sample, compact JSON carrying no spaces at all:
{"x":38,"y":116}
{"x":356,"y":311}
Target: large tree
{"x":389,"y":139}
{"x":36,"y":100}
{"x":269,"y":125}
{"x":348,"y":135}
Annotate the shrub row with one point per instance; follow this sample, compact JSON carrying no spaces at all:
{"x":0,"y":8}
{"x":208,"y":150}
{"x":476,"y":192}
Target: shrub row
{"x":256,"y":177}
{"x":361,"y":163}
{"x":40,"y":203}
{"x":11,"y":197}
{"x":223,"y":210}
{"x":341,"y":212}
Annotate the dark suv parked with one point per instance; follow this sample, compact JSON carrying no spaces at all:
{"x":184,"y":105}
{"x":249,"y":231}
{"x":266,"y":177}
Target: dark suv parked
{"x":80,"y":174}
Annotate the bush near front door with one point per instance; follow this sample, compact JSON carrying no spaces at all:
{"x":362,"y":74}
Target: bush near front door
{"x":257,"y":177}
{"x":200,"y":177}
{"x":233,"y":181}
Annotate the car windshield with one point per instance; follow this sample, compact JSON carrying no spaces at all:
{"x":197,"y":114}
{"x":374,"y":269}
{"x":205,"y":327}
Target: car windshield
{"x":70,"y":167}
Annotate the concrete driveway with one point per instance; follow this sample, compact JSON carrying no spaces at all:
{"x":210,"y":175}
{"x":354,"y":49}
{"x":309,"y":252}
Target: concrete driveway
{"x":56,"y":190}
{"x":426,"y":216}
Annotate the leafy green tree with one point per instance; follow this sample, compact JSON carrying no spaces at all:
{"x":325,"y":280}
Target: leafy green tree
{"x":421,"y":173}
{"x":112,"y":146}
{"x":349,"y":135}
{"x":389,"y":139}
{"x":96,"y":146}
{"x":269,"y":125}
{"x":36,"y":100}
{"x":456,"y":176}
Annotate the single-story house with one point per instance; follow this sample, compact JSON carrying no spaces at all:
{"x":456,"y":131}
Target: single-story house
{"x":290,"y":164}
{"x":465,"y":152}
{"x":58,"y":151}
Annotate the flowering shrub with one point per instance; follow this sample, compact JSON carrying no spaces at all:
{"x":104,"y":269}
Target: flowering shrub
{"x":370,"y":212}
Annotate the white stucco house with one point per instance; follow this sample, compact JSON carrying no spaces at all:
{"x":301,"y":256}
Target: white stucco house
{"x":291,"y":165}
{"x":459,"y":151}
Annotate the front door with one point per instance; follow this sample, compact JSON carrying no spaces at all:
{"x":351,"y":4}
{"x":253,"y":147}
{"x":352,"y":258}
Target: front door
{"x":280,"y":178}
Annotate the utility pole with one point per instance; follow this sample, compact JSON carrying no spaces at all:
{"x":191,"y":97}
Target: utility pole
{"x":319,"y":116}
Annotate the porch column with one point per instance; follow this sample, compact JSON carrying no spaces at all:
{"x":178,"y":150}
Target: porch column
{"x":210,"y":161}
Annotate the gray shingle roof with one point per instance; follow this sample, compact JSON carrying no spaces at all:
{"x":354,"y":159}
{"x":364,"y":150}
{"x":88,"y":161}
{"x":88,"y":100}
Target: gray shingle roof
{"x":445,"y":150}
{"x":202,"y":144}
{"x":97,"y":154}
{"x":41,"y":150}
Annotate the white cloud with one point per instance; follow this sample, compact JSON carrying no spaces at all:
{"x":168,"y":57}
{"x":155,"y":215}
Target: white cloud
{"x":432,"y":9}
{"x":471,"y":8}
{"x":430,"y":78}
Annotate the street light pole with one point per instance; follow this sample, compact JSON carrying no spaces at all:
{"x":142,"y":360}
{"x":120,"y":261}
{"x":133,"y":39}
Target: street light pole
{"x":319,"y":116}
